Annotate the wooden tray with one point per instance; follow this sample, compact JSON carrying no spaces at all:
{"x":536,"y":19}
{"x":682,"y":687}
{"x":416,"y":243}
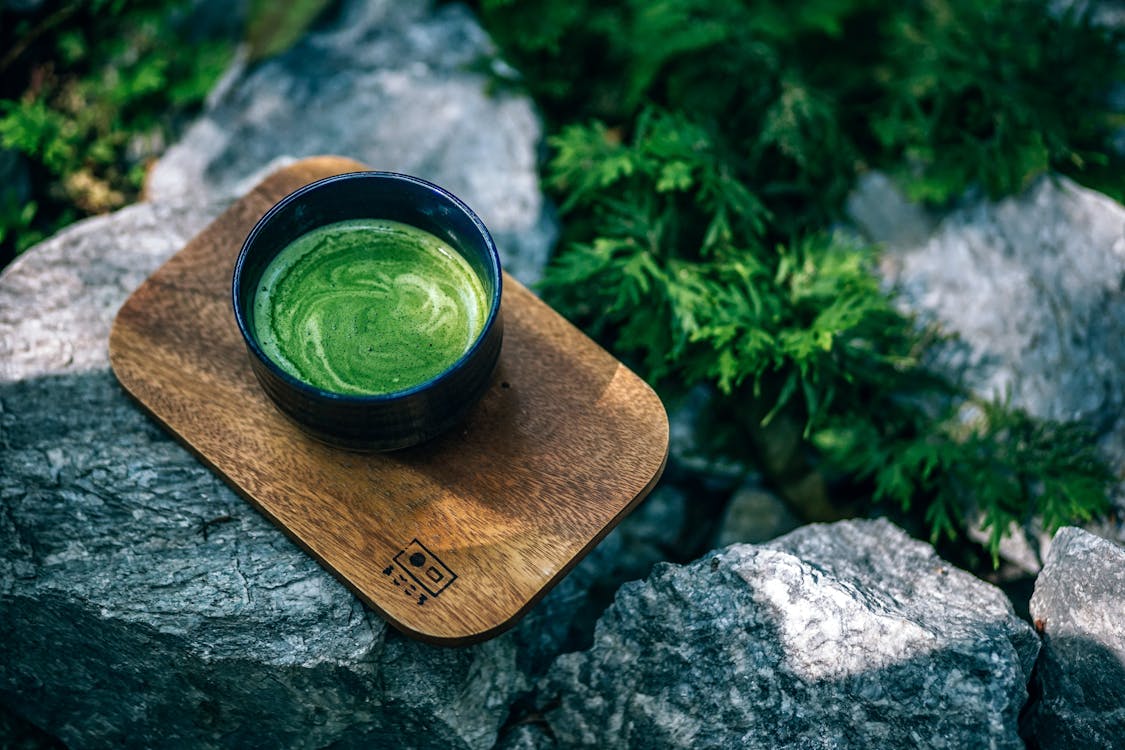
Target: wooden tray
{"x":451,"y":541}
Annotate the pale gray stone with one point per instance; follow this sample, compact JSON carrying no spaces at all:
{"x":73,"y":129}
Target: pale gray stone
{"x":1079,"y":608}
{"x":398,"y":86}
{"x":850,"y":635}
{"x":1034,"y":288}
{"x":57,"y":300}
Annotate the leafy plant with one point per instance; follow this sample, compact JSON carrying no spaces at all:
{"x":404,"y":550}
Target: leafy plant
{"x":980,"y":463}
{"x":701,"y":153}
{"x":994,"y":94}
{"x":90,"y":92}
{"x":681,"y":238}
{"x":16,"y":219}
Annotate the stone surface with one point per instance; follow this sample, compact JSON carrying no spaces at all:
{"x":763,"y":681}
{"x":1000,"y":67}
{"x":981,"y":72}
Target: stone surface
{"x":886,"y":215}
{"x":391,"y":84}
{"x":754,"y":515}
{"x":1034,"y":288}
{"x":57,"y":300}
{"x":835,"y":636}
{"x":141,"y":601}
{"x":1079,"y":608}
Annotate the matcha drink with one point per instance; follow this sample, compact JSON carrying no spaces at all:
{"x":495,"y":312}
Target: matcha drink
{"x":368,"y":306}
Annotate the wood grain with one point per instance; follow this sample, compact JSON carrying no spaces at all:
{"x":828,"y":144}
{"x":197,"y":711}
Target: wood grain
{"x":563,"y":445}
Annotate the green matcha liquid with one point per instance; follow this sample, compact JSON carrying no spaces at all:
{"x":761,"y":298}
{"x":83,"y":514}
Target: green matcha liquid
{"x":368,"y":307}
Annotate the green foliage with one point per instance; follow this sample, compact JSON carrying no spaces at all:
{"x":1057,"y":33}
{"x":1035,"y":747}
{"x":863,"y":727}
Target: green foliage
{"x":724,"y":63}
{"x":16,"y":220}
{"x":85,"y":88}
{"x":682,"y":280}
{"x":945,"y":94}
{"x":91,"y":90}
{"x":681,"y":239}
{"x":1008,"y":466}
{"x":993,"y":93}
{"x":701,"y":153}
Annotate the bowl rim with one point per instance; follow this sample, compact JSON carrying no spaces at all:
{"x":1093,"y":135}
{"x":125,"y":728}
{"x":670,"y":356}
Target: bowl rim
{"x":292,"y":381}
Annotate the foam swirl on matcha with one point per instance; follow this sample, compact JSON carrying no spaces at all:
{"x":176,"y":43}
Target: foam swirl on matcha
{"x":368,"y":307}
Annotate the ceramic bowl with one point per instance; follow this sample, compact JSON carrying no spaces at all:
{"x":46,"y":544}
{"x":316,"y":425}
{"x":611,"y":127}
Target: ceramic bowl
{"x":402,"y":418}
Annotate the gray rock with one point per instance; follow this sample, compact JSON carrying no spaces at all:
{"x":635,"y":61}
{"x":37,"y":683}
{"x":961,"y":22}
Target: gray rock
{"x":885,"y":215}
{"x":57,"y":300}
{"x":1034,"y":289}
{"x":754,"y":515}
{"x":834,"y":636}
{"x":1079,"y":608}
{"x":141,"y":601}
{"x":389,"y":84}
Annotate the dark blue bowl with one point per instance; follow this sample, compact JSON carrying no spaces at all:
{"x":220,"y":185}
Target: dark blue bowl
{"x":394,"y":420}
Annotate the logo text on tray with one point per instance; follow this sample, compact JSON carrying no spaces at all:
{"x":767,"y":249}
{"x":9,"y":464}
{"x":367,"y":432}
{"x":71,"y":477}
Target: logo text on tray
{"x":419,"y":573}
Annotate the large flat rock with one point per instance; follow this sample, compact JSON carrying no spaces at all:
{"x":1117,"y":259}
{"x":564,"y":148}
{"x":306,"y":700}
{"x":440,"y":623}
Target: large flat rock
{"x":141,"y":601}
{"x":58,"y":300}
